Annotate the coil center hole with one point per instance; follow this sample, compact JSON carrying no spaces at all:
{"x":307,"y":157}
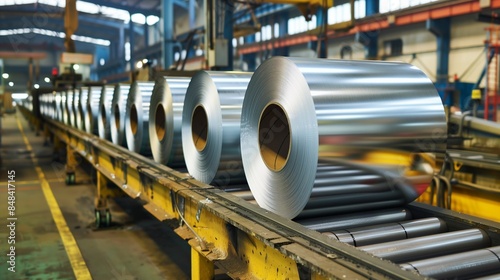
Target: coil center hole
{"x":134,"y":119}
{"x":103,"y":115}
{"x":160,"y":122}
{"x":274,"y":137}
{"x":117,"y":117}
{"x":199,"y":128}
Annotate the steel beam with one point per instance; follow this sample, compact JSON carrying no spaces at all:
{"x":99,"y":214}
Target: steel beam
{"x":168,"y":32}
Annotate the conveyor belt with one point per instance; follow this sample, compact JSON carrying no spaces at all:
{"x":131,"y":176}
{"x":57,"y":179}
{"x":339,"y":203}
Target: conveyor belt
{"x":239,"y":237}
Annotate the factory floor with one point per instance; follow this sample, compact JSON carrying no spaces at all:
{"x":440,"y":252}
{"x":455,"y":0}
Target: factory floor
{"x":136,"y":246}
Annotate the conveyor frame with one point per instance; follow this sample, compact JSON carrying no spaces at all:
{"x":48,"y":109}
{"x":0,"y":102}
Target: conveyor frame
{"x":242,"y":239}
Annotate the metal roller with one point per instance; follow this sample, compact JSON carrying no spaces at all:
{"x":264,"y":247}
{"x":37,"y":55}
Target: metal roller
{"x":368,"y":218}
{"x":82,"y":108}
{"x":92,"y":109}
{"x":137,"y":117}
{"x":165,"y":117}
{"x":118,"y":109}
{"x":211,"y":127}
{"x":389,"y":232}
{"x":75,"y":103}
{"x":429,"y":246}
{"x":298,"y":112}
{"x":465,"y":265}
{"x":105,"y":108}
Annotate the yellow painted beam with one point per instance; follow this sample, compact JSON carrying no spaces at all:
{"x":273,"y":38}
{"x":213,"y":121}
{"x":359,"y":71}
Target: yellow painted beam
{"x":201,"y":267}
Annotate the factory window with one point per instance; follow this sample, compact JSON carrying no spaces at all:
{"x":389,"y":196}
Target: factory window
{"x":393,"y":47}
{"x":386,"y":6}
{"x":342,"y":13}
{"x":312,"y":23}
{"x":235,"y":42}
{"x":276,"y":30}
{"x":266,"y":32}
{"x":257,"y":37}
{"x":241,"y":40}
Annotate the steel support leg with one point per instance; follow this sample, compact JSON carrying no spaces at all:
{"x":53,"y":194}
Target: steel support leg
{"x":201,"y":267}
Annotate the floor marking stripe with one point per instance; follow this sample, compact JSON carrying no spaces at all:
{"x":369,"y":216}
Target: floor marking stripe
{"x":78,"y":264}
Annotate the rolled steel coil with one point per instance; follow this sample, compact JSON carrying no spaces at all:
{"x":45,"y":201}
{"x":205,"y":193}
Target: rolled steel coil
{"x":68,"y":108}
{"x":105,"y":108}
{"x":376,"y":117}
{"x":465,"y":265}
{"x":165,"y":120}
{"x":82,"y":108}
{"x":92,"y":109}
{"x":211,"y":127}
{"x":137,"y":117}
{"x":118,"y":109}
{"x":75,"y":103}
{"x":58,"y":106}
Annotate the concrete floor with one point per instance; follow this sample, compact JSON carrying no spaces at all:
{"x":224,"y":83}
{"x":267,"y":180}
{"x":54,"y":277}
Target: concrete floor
{"x":137,"y":246}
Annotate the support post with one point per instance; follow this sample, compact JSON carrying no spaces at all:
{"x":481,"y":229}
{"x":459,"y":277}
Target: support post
{"x":441,"y":29}
{"x":228,"y":32}
{"x":201,"y":267}
{"x":370,"y":41}
{"x":250,"y":58}
{"x":131,"y":41}
{"x":168,"y":33}
{"x":372,"y":7}
{"x":282,"y":32}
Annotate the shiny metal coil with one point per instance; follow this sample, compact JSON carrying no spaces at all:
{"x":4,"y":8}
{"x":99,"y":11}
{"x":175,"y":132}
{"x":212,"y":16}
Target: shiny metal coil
{"x":118,"y":109}
{"x":82,"y":108}
{"x":59,"y":106}
{"x":104,"y":114}
{"x":465,"y":265}
{"x":429,"y":246}
{"x":68,"y":108}
{"x":75,"y":103}
{"x":211,"y":127}
{"x":374,"y":117}
{"x":165,"y":120}
{"x":362,"y":236}
{"x":137,"y":117}
{"x":92,"y":109}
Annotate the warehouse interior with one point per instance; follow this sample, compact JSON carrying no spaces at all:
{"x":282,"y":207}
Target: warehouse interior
{"x":250,"y":139}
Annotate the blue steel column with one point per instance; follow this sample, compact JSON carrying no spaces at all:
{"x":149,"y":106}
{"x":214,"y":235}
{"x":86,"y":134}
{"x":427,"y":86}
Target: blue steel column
{"x":370,"y":41}
{"x":146,"y":35}
{"x":321,"y":17}
{"x":441,"y":29}
{"x":228,"y":32}
{"x":282,"y":19}
{"x":250,"y":58}
{"x":167,"y":13}
{"x":372,"y":7}
{"x":131,"y":41}
{"x":192,"y":14}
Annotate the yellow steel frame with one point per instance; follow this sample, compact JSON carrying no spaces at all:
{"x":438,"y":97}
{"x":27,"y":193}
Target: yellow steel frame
{"x":241,"y":239}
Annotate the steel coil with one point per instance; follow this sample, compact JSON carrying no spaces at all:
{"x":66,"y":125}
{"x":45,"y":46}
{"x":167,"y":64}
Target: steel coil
{"x":377,"y":117}
{"x":58,"y":106}
{"x":92,"y":109}
{"x":105,"y":108}
{"x":118,"y":109}
{"x":165,"y":120}
{"x":137,"y":117}
{"x":211,"y":127}
{"x":82,"y":108}
{"x":75,"y":104}
{"x":68,"y":108}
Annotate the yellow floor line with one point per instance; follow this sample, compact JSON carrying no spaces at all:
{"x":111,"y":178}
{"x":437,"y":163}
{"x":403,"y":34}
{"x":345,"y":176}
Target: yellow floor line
{"x":75,"y":256}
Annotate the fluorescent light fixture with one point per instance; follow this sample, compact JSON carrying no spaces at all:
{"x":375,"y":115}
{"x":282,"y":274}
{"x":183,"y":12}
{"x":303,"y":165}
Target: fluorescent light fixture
{"x":102,"y":61}
{"x":37,"y":86}
{"x":19,"y":95}
{"x":52,"y":33}
{"x":11,"y":84}
{"x":47,"y":79}
{"x":5,"y":75}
